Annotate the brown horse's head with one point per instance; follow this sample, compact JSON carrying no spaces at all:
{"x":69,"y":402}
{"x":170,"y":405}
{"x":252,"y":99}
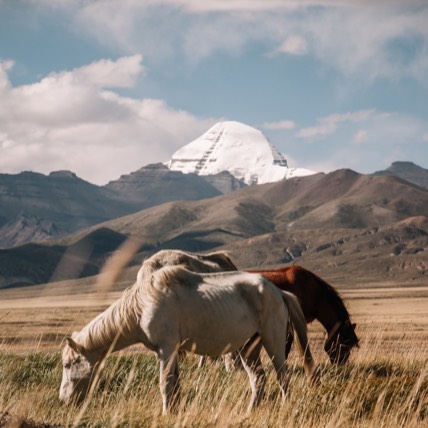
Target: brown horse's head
{"x":339,"y":344}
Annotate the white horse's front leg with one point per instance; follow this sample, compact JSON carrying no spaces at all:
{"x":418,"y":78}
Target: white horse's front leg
{"x":232,"y":361}
{"x":169,"y":381}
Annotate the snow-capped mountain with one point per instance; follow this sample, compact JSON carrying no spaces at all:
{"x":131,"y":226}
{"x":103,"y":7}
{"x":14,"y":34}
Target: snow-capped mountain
{"x":240,"y":149}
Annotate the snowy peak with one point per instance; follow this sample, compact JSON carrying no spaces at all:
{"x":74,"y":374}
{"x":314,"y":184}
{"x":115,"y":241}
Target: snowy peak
{"x":241,"y":150}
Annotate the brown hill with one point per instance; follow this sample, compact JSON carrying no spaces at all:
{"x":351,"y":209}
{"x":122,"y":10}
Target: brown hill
{"x":407,"y":171}
{"x":339,"y":224}
{"x":393,"y":253}
{"x":341,"y":199}
{"x":40,"y":263}
{"x":155,"y":184}
{"x":36,"y":207}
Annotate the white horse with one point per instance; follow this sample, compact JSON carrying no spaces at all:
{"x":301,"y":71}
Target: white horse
{"x":171,"y":309}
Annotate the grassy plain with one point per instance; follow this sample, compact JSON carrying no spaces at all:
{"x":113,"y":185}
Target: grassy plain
{"x":384,"y":385}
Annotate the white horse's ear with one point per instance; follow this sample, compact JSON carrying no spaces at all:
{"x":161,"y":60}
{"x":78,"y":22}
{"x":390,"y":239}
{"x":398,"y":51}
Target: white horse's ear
{"x":73,"y":345}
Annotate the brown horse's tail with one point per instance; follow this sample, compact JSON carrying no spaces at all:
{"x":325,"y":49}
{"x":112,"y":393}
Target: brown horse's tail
{"x":298,"y":322}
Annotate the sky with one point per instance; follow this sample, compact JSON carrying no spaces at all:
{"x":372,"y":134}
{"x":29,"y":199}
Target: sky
{"x":105,"y":87}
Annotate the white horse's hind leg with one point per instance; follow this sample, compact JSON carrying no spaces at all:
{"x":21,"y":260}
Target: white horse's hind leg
{"x":281,"y":374}
{"x":277,"y":357}
{"x":169,"y":381}
{"x":250,"y":357}
{"x":274,"y":340}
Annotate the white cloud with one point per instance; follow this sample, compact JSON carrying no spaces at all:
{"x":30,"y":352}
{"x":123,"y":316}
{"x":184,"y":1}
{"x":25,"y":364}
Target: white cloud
{"x":391,"y":137}
{"x":360,"y":137}
{"x":5,"y":66}
{"x":328,"y":124}
{"x":372,"y":41}
{"x":233,"y":6}
{"x":282,"y":124}
{"x":69,"y":120}
{"x":364,"y":38}
{"x":294,"y":45}
{"x":107,"y":73}
{"x":321,"y":130}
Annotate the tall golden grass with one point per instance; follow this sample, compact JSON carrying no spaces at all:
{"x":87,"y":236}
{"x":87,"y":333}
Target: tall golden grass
{"x":385,"y":384}
{"x":380,"y":387}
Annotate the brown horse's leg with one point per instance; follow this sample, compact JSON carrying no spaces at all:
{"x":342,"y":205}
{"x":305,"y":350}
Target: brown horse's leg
{"x":250,"y":357}
{"x":290,"y":339}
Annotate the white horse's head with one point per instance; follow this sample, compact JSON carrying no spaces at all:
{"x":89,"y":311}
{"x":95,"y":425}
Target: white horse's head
{"x":78,"y":367}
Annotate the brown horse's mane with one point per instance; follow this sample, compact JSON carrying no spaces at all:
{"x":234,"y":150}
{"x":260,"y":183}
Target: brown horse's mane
{"x":289,"y":274}
{"x":333,"y":295}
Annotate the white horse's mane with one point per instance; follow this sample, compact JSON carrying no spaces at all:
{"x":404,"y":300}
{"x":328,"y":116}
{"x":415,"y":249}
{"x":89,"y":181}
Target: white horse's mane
{"x":120,"y":317}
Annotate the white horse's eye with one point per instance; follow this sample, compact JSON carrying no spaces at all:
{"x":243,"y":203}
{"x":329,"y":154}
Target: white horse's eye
{"x":77,"y":361}
{"x":67,"y":365}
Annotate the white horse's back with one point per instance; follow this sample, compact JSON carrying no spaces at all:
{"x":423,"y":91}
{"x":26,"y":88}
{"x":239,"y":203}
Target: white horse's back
{"x":213,"y":314}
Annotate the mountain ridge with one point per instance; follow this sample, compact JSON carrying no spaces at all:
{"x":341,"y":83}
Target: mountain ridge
{"x":408,"y":171}
{"x":341,"y":219}
{"x":36,"y":206}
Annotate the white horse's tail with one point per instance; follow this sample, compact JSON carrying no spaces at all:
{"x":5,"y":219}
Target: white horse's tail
{"x":298,"y":322}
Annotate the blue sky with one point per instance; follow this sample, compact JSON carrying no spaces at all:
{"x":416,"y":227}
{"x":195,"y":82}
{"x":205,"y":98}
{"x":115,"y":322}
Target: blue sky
{"x":105,"y":87}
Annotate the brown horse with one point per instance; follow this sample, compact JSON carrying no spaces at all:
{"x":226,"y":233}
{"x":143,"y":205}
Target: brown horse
{"x":320,"y":301}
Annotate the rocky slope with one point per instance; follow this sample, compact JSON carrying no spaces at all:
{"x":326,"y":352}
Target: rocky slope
{"x":407,"y":171}
{"x":36,"y":207}
{"x":341,"y":224}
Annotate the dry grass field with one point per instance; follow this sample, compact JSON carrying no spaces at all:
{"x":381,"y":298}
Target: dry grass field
{"x":385,"y":383}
